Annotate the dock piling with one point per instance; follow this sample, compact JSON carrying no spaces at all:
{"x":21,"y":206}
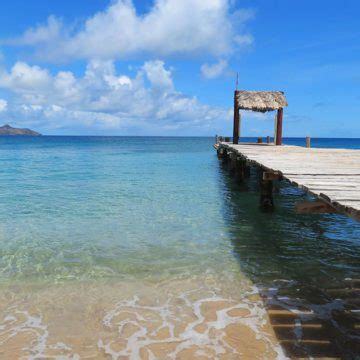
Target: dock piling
{"x":266,"y":192}
{"x":233,"y":163}
{"x":220,"y":152}
{"x":241,"y":169}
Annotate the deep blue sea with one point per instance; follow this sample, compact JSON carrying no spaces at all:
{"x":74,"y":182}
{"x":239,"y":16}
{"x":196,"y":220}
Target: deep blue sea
{"x":117,"y":219}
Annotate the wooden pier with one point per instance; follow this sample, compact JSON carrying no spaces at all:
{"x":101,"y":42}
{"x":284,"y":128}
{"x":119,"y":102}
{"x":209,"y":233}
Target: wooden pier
{"x":331,"y":175}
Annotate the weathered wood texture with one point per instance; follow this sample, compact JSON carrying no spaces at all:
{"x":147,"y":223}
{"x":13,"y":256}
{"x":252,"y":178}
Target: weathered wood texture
{"x":314,"y":207}
{"x":279,"y":125}
{"x":236,"y":131}
{"x":332,"y":175}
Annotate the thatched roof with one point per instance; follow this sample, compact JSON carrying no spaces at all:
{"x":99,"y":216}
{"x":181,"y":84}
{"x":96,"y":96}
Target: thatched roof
{"x":261,"y":101}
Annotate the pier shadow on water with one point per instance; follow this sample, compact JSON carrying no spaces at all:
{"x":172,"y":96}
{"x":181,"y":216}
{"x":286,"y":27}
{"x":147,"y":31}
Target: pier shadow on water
{"x":307,"y":268}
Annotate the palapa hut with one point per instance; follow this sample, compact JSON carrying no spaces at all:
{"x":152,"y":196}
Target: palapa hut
{"x":259,"y":101}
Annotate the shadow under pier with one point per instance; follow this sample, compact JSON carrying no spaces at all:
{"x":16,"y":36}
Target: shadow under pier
{"x":330,"y":329}
{"x":306,"y":275}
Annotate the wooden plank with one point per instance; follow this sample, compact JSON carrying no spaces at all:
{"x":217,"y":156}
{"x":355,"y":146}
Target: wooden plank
{"x":351,"y":203}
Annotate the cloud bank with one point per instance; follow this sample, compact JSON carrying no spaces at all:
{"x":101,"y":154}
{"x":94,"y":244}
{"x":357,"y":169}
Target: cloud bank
{"x":104,"y":99}
{"x":169,"y":28}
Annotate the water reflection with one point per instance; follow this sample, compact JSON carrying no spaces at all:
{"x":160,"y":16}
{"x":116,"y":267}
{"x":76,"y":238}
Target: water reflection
{"x":307,"y":267}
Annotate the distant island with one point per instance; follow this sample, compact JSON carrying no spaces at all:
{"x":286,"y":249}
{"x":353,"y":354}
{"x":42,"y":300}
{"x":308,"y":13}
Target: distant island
{"x":9,"y":130}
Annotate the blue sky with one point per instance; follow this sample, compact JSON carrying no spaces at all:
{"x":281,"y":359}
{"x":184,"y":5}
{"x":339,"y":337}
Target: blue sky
{"x":168,"y":67}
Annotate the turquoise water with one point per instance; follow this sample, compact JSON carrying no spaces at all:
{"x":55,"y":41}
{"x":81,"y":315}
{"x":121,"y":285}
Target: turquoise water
{"x":84,"y":207}
{"x":90,"y":208}
{"x":95,"y":207}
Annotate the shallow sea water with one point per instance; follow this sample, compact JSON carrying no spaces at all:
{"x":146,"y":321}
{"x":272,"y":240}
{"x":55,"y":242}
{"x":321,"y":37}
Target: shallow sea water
{"x":146,"y":248}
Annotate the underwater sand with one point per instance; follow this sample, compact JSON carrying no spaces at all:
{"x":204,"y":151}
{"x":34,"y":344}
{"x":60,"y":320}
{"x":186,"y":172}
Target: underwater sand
{"x":199,"y":318}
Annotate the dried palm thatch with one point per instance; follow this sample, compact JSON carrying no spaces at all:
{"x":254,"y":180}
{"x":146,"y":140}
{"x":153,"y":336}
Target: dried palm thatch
{"x":261,"y":101}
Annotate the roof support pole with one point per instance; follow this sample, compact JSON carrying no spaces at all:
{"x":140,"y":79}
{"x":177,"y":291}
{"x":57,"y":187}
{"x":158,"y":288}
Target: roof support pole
{"x":236,"y":130}
{"x":279,"y":121}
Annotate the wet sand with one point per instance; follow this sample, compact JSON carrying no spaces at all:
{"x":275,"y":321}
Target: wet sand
{"x":195,"y":318}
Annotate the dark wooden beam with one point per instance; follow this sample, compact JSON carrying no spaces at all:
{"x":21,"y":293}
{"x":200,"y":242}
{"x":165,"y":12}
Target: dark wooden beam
{"x":314,"y":207}
{"x":220,"y":152}
{"x":271,"y":175}
{"x":232,"y":163}
{"x":279,"y":122}
{"x":266,"y":194}
{"x":236,"y":129}
{"x":241,"y":169}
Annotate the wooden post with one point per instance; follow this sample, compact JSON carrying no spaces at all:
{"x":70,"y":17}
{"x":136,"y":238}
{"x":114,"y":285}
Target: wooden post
{"x":247,"y":171}
{"x":279,"y":120}
{"x":240,"y":169}
{"x":236,"y":129}
{"x":266,"y":192}
{"x":268,"y":139}
{"x":232,"y":163}
{"x":308,"y":142}
{"x":225,"y":156}
{"x":266,"y":195}
{"x":275,"y":128}
{"x":220,"y":152}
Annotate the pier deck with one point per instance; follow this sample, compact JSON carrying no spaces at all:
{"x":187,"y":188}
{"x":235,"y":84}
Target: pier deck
{"x":332,"y":175}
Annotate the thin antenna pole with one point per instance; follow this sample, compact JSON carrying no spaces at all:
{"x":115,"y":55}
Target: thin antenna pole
{"x":237,"y":81}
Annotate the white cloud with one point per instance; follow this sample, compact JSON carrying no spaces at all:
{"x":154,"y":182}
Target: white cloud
{"x":170,"y":27}
{"x":52,"y":30}
{"x":214,"y":70}
{"x":3,"y":105}
{"x":103,"y":99}
{"x":25,"y":78}
{"x":158,"y":76}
